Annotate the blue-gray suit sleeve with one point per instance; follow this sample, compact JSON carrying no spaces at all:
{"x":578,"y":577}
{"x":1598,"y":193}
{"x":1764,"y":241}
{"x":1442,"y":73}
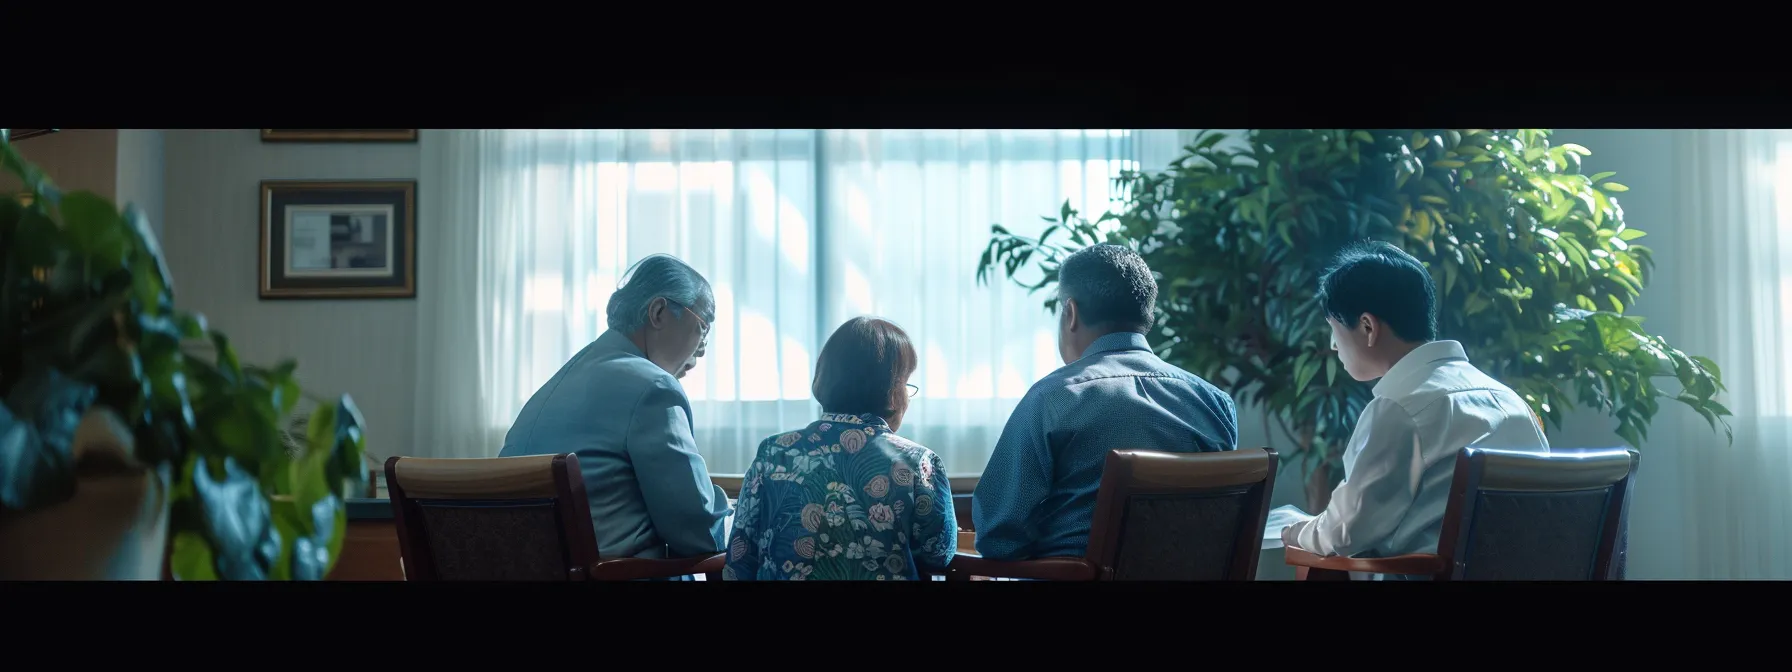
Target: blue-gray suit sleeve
{"x":687,"y":509}
{"x":1017,"y":479}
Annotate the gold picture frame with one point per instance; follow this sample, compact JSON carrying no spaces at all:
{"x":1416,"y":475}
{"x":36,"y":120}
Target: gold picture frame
{"x":339,"y":135}
{"x":338,"y":239}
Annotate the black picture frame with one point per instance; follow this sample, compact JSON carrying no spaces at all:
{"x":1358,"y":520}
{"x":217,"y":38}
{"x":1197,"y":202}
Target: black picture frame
{"x":339,"y":135}
{"x":354,"y":239}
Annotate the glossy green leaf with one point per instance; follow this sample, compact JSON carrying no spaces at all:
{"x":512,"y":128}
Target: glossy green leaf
{"x":1304,"y":369}
{"x":290,"y":524}
{"x":87,"y":302}
{"x":1710,"y":366}
{"x":321,"y":430}
{"x":313,"y":557}
{"x":191,"y":558}
{"x":1526,"y":250}
{"x":32,"y":473}
{"x":95,"y":229}
{"x":237,"y":516}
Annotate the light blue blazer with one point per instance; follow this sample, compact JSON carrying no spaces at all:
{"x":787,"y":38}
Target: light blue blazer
{"x":629,"y":423}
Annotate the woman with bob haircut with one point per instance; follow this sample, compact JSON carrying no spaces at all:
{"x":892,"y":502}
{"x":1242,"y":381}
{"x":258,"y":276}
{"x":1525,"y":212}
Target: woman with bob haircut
{"x":845,"y":498}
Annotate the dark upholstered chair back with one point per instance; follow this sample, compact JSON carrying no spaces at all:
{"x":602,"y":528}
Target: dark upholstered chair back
{"x":492,"y":519}
{"x":1181,"y":516}
{"x":1536,"y":517}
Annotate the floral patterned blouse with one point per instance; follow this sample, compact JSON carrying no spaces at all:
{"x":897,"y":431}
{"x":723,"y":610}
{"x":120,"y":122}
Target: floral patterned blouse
{"x":844,"y":498}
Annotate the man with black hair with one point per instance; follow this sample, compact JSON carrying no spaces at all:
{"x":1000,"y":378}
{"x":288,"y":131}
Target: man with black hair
{"x":1037,"y":496}
{"x":1430,"y":404}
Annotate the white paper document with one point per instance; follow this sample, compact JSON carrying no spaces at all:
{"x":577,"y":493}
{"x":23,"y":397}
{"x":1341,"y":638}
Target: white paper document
{"x":1280,"y":517}
{"x":308,"y":241}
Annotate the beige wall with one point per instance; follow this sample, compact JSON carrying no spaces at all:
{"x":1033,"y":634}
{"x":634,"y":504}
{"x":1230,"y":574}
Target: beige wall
{"x":212,"y":239}
{"x":124,"y":165}
{"x":138,"y":173}
{"x":75,"y":159}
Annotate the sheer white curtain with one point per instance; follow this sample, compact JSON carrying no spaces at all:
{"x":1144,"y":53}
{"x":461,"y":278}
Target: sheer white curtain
{"x":796,"y":229}
{"x":908,"y":213}
{"x":453,"y":334}
{"x":1734,"y":274}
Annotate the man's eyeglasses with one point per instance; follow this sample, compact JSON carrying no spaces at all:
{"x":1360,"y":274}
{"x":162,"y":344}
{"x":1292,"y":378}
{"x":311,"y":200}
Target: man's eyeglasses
{"x":702,"y":324}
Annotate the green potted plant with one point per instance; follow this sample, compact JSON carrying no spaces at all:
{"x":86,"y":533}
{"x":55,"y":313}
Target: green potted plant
{"x":1534,"y":264}
{"x":115,"y":426}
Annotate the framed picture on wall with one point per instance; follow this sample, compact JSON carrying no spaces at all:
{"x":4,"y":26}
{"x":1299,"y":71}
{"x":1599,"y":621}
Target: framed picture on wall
{"x":338,"y":240}
{"x":339,"y":135}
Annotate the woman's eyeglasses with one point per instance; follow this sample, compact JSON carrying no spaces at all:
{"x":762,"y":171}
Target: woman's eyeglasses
{"x":912,"y":390}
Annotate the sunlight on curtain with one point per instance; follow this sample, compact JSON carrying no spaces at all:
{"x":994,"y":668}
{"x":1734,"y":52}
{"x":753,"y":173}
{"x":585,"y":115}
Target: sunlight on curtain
{"x":1735,"y":269}
{"x":797,"y":231}
{"x":1774,"y":302}
{"x":578,"y":207}
{"x":909,"y":213}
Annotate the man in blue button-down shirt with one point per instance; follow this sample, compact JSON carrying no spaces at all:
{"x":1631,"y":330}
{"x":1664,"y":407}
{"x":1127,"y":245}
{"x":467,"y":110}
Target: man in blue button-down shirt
{"x":1037,"y":496}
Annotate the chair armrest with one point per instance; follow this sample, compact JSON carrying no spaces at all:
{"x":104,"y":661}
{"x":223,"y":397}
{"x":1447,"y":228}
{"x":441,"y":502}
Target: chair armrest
{"x":630,"y":569}
{"x":1412,"y":563}
{"x":1047,"y":569}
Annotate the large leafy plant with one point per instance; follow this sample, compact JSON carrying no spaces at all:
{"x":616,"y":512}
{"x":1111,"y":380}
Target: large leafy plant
{"x":88,"y":326}
{"x":1534,"y":264}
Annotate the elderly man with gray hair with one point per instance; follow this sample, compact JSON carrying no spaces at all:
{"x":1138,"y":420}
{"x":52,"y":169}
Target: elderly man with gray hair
{"x":619,"y":407}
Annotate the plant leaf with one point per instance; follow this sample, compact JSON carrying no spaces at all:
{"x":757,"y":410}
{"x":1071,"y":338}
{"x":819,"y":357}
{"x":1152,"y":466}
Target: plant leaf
{"x":191,"y":558}
{"x":32,"y":473}
{"x":237,"y":517}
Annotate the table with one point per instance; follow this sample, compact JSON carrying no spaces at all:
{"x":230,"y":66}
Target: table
{"x":369,"y":544}
{"x":967,"y":543}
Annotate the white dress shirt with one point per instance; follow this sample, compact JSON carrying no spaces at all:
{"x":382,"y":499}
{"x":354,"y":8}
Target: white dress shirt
{"x":1402,"y":456}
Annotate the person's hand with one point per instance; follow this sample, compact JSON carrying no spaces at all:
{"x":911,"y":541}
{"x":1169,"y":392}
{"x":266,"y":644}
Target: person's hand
{"x":1288,"y":537}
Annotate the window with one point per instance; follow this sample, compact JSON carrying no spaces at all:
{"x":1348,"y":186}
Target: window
{"x":797,"y":231}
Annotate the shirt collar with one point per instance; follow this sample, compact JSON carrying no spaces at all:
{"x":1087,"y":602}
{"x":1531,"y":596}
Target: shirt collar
{"x":1418,"y":364}
{"x":865,"y":419}
{"x":1121,"y":340}
{"x":616,"y":340}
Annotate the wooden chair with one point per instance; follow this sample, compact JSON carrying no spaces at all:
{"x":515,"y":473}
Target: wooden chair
{"x":963,"y":487}
{"x":1514,"y":517}
{"x":729,"y":483}
{"x":508,"y":519}
{"x":1161,"y":517}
